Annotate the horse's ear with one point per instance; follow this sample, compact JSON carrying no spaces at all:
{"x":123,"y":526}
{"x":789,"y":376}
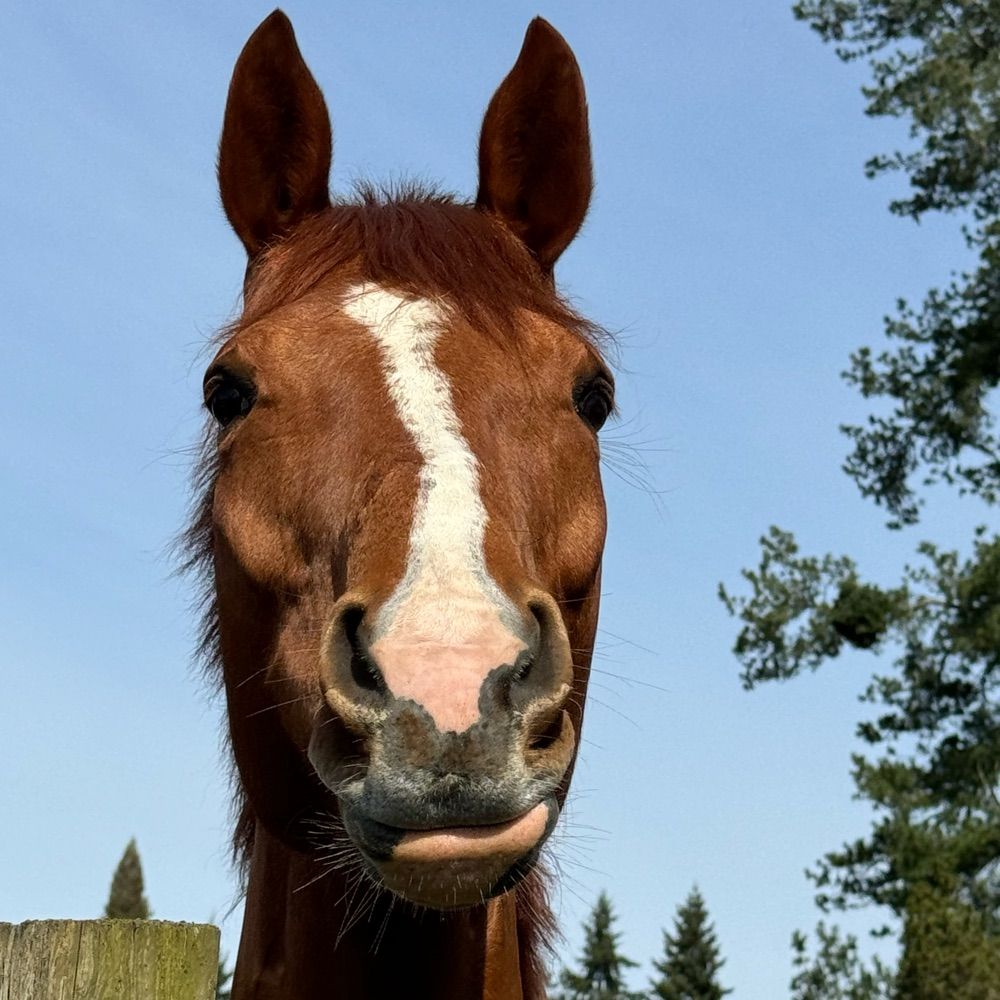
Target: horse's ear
{"x":534,"y":149}
{"x":274,"y":157}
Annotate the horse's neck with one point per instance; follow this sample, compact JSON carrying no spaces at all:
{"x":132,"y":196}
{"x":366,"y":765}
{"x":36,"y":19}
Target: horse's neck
{"x":299,"y":942}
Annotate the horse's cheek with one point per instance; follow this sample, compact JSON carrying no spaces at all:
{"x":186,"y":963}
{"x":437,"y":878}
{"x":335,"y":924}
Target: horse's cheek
{"x":581,"y":544}
{"x":261,"y":546}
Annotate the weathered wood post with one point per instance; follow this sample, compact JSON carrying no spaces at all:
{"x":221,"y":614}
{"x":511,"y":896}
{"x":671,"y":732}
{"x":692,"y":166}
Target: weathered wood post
{"x":108,"y":960}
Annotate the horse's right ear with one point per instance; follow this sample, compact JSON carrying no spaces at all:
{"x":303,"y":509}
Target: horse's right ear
{"x":274,"y":157}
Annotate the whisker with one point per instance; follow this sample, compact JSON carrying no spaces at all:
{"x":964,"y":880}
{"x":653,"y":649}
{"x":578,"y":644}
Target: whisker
{"x":280,"y":704}
{"x":631,"y":680}
{"x":621,"y":715}
{"x":256,"y":673}
{"x":628,"y":642}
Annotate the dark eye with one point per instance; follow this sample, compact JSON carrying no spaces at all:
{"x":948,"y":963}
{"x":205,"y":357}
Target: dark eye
{"x":595,"y":401}
{"x":228,"y":397}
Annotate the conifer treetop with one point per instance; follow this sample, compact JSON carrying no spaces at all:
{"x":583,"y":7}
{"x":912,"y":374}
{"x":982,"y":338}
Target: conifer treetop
{"x":691,"y":963}
{"x":126,"y":900}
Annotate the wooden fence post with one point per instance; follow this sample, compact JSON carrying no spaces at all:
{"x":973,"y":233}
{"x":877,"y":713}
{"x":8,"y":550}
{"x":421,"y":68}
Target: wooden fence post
{"x":108,"y":960}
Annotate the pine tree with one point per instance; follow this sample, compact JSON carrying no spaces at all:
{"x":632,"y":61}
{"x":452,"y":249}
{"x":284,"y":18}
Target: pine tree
{"x":601,"y":964}
{"x":948,"y":951}
{"x":836,"y":971}
{"x":691,"y":962}
{"x":932,"y":764}
{"x":126,"y":901}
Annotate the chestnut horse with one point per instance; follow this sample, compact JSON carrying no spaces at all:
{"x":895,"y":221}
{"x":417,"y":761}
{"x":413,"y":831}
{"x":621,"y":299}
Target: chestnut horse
{"x":401,"y":533}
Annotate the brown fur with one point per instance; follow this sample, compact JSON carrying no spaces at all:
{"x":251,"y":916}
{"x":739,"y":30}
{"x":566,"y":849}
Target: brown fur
{"x":419,"y":242}
{"x":424,"y":243}
{"x":312,"y":494}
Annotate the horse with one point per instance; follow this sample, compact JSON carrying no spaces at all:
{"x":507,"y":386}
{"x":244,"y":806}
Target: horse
{"x":400,"y":528}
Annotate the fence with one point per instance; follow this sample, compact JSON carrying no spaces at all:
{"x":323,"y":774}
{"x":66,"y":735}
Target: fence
{"x":108,"y":960}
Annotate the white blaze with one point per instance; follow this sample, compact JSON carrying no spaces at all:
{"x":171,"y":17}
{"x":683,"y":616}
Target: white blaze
{"x":446,"y":597}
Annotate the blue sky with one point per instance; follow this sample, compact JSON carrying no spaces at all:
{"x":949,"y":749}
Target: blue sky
{"x":734,"y":244}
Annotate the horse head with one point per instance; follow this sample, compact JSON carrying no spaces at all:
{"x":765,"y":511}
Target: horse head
{"x":404,"y":516}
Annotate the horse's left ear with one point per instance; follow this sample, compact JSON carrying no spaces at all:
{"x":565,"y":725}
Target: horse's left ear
{"x":534,"y":148}
{"x":274,"y":157}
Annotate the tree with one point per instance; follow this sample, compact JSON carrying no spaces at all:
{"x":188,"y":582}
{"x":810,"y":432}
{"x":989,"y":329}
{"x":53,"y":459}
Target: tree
{"x":691,"y":962}
{"x":836,"y":971}
{"x":223,"y":988}
{"x":126,"y":900}
{"x":938,"y":64}
{"x":601,"y":964}
{"x":938,"y":728}
{"x":948,"y":950}
{"x":932,"y":767}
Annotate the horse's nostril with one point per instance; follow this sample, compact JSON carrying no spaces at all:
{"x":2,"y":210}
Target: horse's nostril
{"x":540,"y":614}
{"x":548,"y":733}
{"x":364,"y":671}
{"x":522,"y":666}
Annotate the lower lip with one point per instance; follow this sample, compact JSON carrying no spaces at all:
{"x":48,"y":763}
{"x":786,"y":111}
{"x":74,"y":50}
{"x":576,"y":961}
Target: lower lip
{"x":470,"y":844}
{"x":459,"y":866}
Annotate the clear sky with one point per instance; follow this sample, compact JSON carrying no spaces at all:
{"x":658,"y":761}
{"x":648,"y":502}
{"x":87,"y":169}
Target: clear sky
{"x":734,"y":244}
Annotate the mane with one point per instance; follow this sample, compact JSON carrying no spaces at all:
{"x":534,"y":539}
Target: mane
{"x":423,"y":243}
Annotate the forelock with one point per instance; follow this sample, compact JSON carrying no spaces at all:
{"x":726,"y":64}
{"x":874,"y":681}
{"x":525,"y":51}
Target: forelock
{"x":420,"y":243}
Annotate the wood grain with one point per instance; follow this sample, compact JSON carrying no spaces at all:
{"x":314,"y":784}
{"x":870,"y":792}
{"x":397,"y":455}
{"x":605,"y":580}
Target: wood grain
{"x":108,"y":960}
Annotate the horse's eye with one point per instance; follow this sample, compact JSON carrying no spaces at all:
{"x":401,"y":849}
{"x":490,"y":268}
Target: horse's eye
{"x":228,"y":397}
{"x":594,"y":401}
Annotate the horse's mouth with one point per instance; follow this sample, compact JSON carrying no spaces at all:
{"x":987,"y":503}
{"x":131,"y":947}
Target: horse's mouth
{"x":456,"y":866}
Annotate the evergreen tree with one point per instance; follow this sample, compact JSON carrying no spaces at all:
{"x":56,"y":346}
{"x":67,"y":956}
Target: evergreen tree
{"x":933,"y":764}
{"x":691,"y":963}
{"x":126,"y":900}
{"x":948,"y":951}
{"x":601,"y":964}
{"x":836,"y":971}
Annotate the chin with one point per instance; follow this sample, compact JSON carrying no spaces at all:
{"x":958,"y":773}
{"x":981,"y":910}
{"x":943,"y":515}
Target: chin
{"x":452,"y":867}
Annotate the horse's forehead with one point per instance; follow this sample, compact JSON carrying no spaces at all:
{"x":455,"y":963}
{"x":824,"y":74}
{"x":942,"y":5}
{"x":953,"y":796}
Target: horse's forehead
{"x":358,"y":329}
{"x":429,"y":361}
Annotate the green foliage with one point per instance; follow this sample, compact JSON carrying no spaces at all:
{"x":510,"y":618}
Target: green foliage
{"x":933,"y":765}
{"x":939,"y":382}
{"x":223,"y":988}
{"x":937,"y":721}
{"x":691,"y":963}
{"x":801,"y":610}
{"x":600,"y":976}
{"x":126,"y":900}
{"x":949,"y":952}
{"x":836,"y":971}
{"x":937,"y":64}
